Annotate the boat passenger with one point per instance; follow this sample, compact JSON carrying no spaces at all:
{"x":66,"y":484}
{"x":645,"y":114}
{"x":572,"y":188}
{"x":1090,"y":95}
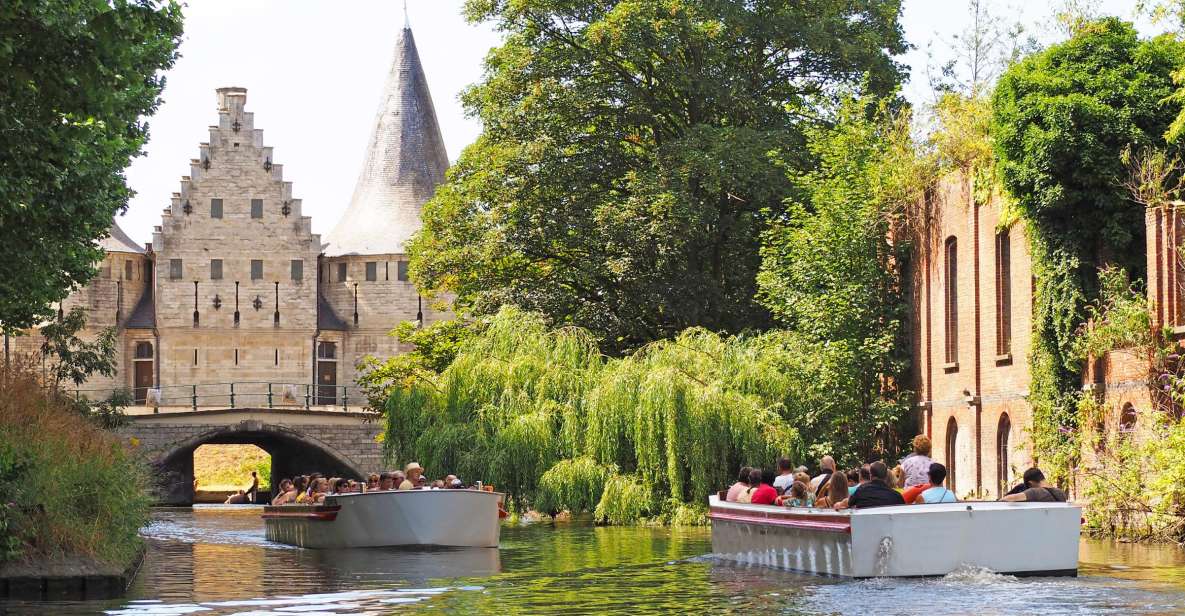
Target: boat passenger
{"x":761,"y":493}
{"x":913,"y":494}
{"x":372,"y":482}
{"x":319,"y":490}
{"x":455,"y":484}
{"x":1037,"y":491}
{"x":853,"y":480}
{"x":937,"y":493}
{"x":285,"y":494}
{"x":414,"y":473}
{"x":239,"y":498}
{"x":875,"y":493}
{"x":341,"y":486}
{"x":741,"y":486}
{"x":799,"y":496}
{"x":826,"y":466}
{"x":897,"y":478}
{"x":785,"y":478}
{"x":300,"y":486}
{"x":386,"y":481}
{"x":917,"y":464}
{"x":836,"y":491}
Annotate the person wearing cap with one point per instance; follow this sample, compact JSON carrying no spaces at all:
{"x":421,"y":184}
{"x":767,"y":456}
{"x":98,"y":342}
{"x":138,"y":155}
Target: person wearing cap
{"x":1036,"y":490}
{"x":414,"y":471}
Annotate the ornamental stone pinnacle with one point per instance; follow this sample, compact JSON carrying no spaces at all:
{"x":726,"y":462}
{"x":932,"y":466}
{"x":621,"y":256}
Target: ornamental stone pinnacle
{"x":405,"y":162}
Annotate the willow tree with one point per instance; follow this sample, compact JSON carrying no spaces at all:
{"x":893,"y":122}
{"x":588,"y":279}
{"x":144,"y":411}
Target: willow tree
{"x":624,"y":177}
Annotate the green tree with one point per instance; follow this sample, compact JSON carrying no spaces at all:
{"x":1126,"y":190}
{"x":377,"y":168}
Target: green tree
{"x":832,"y":271}
{"x":625,"y":174}
{"x":1061,"y":121}
{"x":76,"y":79}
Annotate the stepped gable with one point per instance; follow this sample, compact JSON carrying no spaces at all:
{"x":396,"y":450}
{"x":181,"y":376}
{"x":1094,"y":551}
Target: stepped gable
{"x":405,"y":162}
{"x":119,"y":241}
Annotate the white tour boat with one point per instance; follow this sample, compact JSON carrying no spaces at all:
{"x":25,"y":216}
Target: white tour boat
{"x":903,"y":540}
{"x":451,"y":518}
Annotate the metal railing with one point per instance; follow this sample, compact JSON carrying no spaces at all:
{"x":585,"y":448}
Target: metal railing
{"x":239,"y":394}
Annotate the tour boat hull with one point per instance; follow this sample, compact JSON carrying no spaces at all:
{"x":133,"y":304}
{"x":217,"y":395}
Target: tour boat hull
{"x":901,"y":541}
{"x":449,"y":518}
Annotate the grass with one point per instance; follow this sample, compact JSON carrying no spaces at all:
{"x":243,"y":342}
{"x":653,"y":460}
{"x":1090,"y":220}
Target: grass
{"x":68,"y":489}
{"x":228,"y":467}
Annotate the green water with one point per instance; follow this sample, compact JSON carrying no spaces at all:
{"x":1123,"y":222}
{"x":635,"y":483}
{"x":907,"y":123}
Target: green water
{"x":215,"y":561}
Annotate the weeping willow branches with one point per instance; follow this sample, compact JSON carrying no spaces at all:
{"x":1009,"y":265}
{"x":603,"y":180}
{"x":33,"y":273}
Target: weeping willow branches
{"x":544,"y":416}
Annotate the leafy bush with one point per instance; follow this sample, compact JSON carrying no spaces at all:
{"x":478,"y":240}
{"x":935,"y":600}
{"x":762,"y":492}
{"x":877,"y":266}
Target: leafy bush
{"x":66,"y":486}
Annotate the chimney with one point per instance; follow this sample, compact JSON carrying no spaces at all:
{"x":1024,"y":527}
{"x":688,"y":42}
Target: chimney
{"x":231,"y":99}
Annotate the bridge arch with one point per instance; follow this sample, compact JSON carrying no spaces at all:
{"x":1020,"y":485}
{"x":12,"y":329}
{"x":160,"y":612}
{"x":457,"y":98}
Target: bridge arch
{"x":334,"y":450}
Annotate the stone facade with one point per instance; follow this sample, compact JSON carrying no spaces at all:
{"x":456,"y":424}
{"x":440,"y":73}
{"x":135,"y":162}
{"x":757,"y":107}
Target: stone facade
{"x":235,"y":287}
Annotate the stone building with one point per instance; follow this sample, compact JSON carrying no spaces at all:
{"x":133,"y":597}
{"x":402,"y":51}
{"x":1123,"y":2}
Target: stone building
{"x":972,"y":306}
{"x":235,"y":288}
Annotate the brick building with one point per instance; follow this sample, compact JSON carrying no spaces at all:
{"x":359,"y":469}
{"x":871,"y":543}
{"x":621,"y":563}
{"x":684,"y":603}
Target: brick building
{"x":235,"y":287}
{"x":972,"y":289}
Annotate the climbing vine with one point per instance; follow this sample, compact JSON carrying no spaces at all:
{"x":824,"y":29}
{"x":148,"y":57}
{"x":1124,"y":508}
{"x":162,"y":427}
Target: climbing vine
{"x":1061,"y":120}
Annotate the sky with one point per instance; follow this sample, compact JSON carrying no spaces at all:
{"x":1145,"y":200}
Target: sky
{"x":314,"y":69}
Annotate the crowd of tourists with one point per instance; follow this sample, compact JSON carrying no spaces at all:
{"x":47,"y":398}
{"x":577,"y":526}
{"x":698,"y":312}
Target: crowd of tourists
{"x":312,"y":489}
{"x":915,"y":480}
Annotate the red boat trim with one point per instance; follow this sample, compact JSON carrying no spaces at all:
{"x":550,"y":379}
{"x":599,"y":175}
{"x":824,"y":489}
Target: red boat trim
{"x":323,"y":514}
{"x":793,"y":521}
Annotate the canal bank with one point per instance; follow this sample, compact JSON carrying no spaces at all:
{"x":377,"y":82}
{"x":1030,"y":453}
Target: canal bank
{"x":214,"y":560}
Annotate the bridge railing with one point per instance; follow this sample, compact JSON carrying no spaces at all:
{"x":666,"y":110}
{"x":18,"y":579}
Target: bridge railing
{"x":240,"y":394}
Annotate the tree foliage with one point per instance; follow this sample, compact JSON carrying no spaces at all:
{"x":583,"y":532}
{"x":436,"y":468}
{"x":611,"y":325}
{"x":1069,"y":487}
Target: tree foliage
{"x":1061,"y":120}
{"x":624,"y":175}
{"x":76,"y":79}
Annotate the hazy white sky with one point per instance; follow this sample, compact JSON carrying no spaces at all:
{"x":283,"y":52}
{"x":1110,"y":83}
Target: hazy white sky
{"x":314,"y":69}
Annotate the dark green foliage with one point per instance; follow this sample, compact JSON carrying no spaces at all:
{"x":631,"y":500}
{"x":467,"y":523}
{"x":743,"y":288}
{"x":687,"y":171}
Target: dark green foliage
{"x":76,"y":79}
{"x":1061,"y":120}
{"x":625,"y":174}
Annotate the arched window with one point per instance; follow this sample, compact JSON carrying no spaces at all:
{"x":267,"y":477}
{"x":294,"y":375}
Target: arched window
{"x":952,"y":440}
{"x":1127,"y":419}
{"x":1003,"y":432}
{"x":1003,"y":293}
{"x":952,"y":301}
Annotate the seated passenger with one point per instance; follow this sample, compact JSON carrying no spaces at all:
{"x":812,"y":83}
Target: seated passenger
{"x":937,"y":493}
{"x":372,"y":482}
{"x":319,"y":490}
{"x":785,"y":476}
{"x":236,"y":499}
{"x":804,"y":478}
{"x":913,"y":494}
{"x":836,"y":491}
{"x":799,"y":496}
{"x":414,"y":473}
{"x":854,"y":480}
{"x":300,"y":486}
{"x":387,"y":482}
{"x":897,"y":478}
{"x":285,"y":493}
{"x":741,"y":486}
{"x":875,"y":493}
{"x":763,"y":493}
{"x":1037,"y":491}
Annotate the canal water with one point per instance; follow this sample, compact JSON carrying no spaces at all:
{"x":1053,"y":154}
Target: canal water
{"x":215,"y":560}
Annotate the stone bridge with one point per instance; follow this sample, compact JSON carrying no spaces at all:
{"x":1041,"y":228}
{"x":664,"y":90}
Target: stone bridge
{"x":336,"y":444}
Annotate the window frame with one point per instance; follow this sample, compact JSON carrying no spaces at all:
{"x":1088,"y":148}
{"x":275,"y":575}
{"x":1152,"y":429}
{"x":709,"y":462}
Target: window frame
{"x":951,"y":302}
{"x":256,"y":269}
{"x":176,"y":269}
{"x":1003,"y":294}
{"x":257,"y":209}
{"x":216,"y":269}
{"x":217,"y":209}
{"x":296,"y":270}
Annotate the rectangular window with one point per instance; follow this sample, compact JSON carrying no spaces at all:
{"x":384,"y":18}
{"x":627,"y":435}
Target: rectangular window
{"x":215,"y":208}
{"x":215,"y":269}
{"x":277,"y":360}
{"x":297,"y":270}
{"x":256,"y":269}
{"x":129,"y":270}
{"x":175,"y":269}
{"x":257,"y":208}
{"x":1003,"y":293}
{"x":401,"y":272}
{"x":236,"y":357}
{"x":372,"y":271}
{"x":195,"y":357}
{"x":327,"y":350}
{"x":341,"y":272}
{"x":952,"y":301}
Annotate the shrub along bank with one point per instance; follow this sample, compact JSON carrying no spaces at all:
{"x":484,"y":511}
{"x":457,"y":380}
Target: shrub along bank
{"x":68,"y":490}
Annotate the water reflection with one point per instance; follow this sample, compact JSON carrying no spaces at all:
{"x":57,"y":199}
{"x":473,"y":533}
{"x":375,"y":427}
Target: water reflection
{"x":214,"y":561}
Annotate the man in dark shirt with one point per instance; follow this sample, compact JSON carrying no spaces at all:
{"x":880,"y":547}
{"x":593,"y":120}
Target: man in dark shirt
{"x":1036,"y":490}
{"x":875,"y":493}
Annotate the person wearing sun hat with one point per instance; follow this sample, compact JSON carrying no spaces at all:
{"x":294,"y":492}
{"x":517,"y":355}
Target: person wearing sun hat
{"x":414,"y":471}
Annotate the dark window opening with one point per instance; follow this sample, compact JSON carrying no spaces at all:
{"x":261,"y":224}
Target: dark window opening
{"x":297,"y":269}
{"x":952,"y":301}
{"x":327,"y":350}
{"x":952,"y":441}
{"x":341,"y":272}
{"x":143,"y":350}
{"x":215,"y":208}
{"x":256,"y":269}
{"x":372,"y":271}
{"x":129,"y":270}
{"x":1003,"y":433}
{"x":1127,"y":419}
{"x":401,"y":271}
{"x":215,"y":269}
{"x":1003,"y":293}
{"x":175,"y":269}
{"x":257,"y":208}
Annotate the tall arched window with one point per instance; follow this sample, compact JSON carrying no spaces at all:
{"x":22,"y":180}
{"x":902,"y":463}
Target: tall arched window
{"x":1127,"y":419}
{"x":1003,"y":432}
{"x":952,"y":301}
{"x":1003,"y":293}
{"x":952,"y":441}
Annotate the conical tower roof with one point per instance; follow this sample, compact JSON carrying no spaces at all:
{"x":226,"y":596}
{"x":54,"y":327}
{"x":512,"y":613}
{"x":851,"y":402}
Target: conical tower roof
{"x":119,"y":241}
{"x":405,"y":162}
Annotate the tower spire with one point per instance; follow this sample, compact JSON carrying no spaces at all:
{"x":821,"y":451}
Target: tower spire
{"x":406,"y":17}
{"x":405,"y":162}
